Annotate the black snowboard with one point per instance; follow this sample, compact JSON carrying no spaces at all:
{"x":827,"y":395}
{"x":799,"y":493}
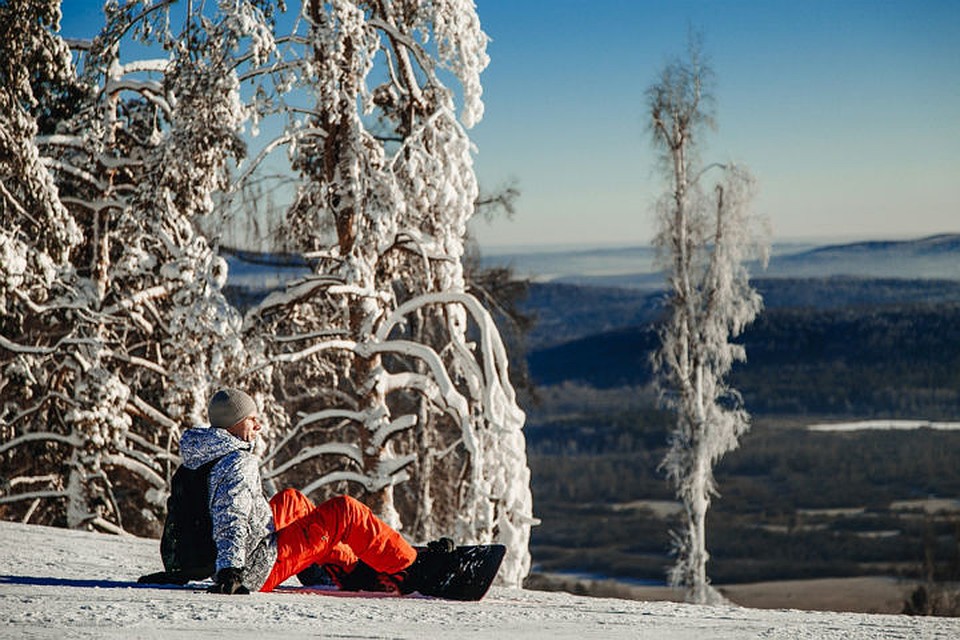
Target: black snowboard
{"x":465,"y":573}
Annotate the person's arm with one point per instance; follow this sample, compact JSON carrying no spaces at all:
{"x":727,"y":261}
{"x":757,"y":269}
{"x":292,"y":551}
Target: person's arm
{"x":231,"y":502}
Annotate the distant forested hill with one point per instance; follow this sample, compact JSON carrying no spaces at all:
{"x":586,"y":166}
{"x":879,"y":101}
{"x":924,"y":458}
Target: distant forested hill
{"x":933,"y":257}
{"x":567,"y":312}
{"x":865,"y":348}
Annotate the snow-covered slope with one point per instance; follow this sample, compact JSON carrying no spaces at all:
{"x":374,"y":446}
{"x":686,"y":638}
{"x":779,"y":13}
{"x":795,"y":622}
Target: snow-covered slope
{"x":56,"y":583}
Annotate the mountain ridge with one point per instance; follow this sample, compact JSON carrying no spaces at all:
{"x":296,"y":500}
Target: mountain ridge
{"x":936,"y":243}
{"x":929,"y":257}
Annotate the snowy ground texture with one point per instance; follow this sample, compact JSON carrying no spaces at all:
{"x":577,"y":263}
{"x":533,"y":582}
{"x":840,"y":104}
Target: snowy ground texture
{"x":56,"y":583}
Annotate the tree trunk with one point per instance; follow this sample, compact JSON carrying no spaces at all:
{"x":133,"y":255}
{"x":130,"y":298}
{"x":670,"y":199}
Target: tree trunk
{"x":698,"y":531}
{"x":379,"y":500}
{"x":79,"y":500}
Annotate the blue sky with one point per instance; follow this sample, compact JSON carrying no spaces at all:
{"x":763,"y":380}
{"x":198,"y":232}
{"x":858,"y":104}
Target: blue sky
{"x":847,"y":112}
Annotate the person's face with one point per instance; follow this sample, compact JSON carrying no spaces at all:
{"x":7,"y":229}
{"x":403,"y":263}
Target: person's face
{"x":246,"y":429}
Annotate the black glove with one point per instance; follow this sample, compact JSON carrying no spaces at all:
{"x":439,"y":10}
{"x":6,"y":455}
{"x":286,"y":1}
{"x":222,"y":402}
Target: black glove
{"x":229,"y":581}
{"x":442,"y":545}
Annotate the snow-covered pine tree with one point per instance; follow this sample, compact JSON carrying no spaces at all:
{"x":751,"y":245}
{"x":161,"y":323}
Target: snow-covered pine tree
{"x":705,"y":235}
{"x":397,"y":374}
{"x":198,"y":141}
{"x":149,"y":331}
{"x":434,"y":170}
{"x":37,"y":236}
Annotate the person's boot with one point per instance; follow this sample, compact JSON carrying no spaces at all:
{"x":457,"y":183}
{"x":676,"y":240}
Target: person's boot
{"x":315,"y":576}
{"x":361,"y":578}
{"x":431,"y":563}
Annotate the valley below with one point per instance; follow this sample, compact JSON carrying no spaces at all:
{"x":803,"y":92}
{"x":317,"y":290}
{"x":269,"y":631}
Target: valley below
{"x":844,"y":494}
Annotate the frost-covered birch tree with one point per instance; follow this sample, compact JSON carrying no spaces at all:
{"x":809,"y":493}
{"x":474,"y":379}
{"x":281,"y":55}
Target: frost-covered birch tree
{"x":704,"y":237}
{"x":398,"y":375}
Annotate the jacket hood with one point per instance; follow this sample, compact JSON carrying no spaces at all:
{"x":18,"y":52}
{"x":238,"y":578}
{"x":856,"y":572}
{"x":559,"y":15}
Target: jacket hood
{"x":203,"y":444}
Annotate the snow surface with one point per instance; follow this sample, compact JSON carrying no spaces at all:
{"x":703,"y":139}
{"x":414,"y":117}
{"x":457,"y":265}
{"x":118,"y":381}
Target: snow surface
{"x":885,"y":425}
{"x":57,"y":583}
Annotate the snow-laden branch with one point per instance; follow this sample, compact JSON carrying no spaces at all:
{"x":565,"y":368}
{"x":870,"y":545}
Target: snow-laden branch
{"x":425,"y":245}
{"x":137,"y":361}
{"x":38,"y":405}
{"x":15,"y":203}
{"x":131,"y":84}
{"x":276,"y":142}
{"x":371,"y":484}
{"x":133,"y":20}
{"x":78,"y":307}
{"x":97,"y":206}
{"x":425,"y":385}
{"x":41,"y":436}
{"x":384,"y":433}
{"x":338,"y":476}
{"x":299,"y":290}
{"x":398,"y":315}
{"x":61,"y":140}
{"x":152,"y":413}
{"x":135,"y":466}
{"x":158,"y":452}
{"x":360,"y":292}
{"x":388,"y":468}
{"x":107,"y":526}
{"x":145,"y":457}
{"x":307,"y":111}
{"x":109,"y":162}
{"x":410,"y":81}
{"x":427,"y":65}
{"x":323,"y":254}
{"x":453,"y":398}
{"x":138,"y":298}
{"x":151,"y":90}
{"x":313,"y":335}
{"x":158,"y":65}
{"x":334,"y":448}
{"x":276,"y":67}
{"x":326,"y":414}
{"x":494,"y":356}
{"x":456,"y":404}
{"x":30,"y":495}
{"x":86,"y":176}
{"x":52,"y":477}
{"x":348,"y":345}
{"x":14,"y":347}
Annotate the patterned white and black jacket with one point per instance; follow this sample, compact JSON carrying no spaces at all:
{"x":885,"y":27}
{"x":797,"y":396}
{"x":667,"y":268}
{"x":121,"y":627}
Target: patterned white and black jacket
{"x":242,"y":520}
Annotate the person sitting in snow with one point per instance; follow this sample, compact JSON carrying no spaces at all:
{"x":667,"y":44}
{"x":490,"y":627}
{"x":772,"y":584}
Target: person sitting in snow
{"x":260,"y":543}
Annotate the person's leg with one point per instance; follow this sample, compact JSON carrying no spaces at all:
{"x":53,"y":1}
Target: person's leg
{"x":289,"y":505}
{"x":314,"y":538}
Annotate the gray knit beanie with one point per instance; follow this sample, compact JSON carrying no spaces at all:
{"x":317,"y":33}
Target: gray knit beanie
{"x":230,"y":406}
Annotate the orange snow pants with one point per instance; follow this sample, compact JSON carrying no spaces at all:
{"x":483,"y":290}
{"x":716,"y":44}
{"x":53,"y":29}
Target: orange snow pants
{"x":340,"y":531}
